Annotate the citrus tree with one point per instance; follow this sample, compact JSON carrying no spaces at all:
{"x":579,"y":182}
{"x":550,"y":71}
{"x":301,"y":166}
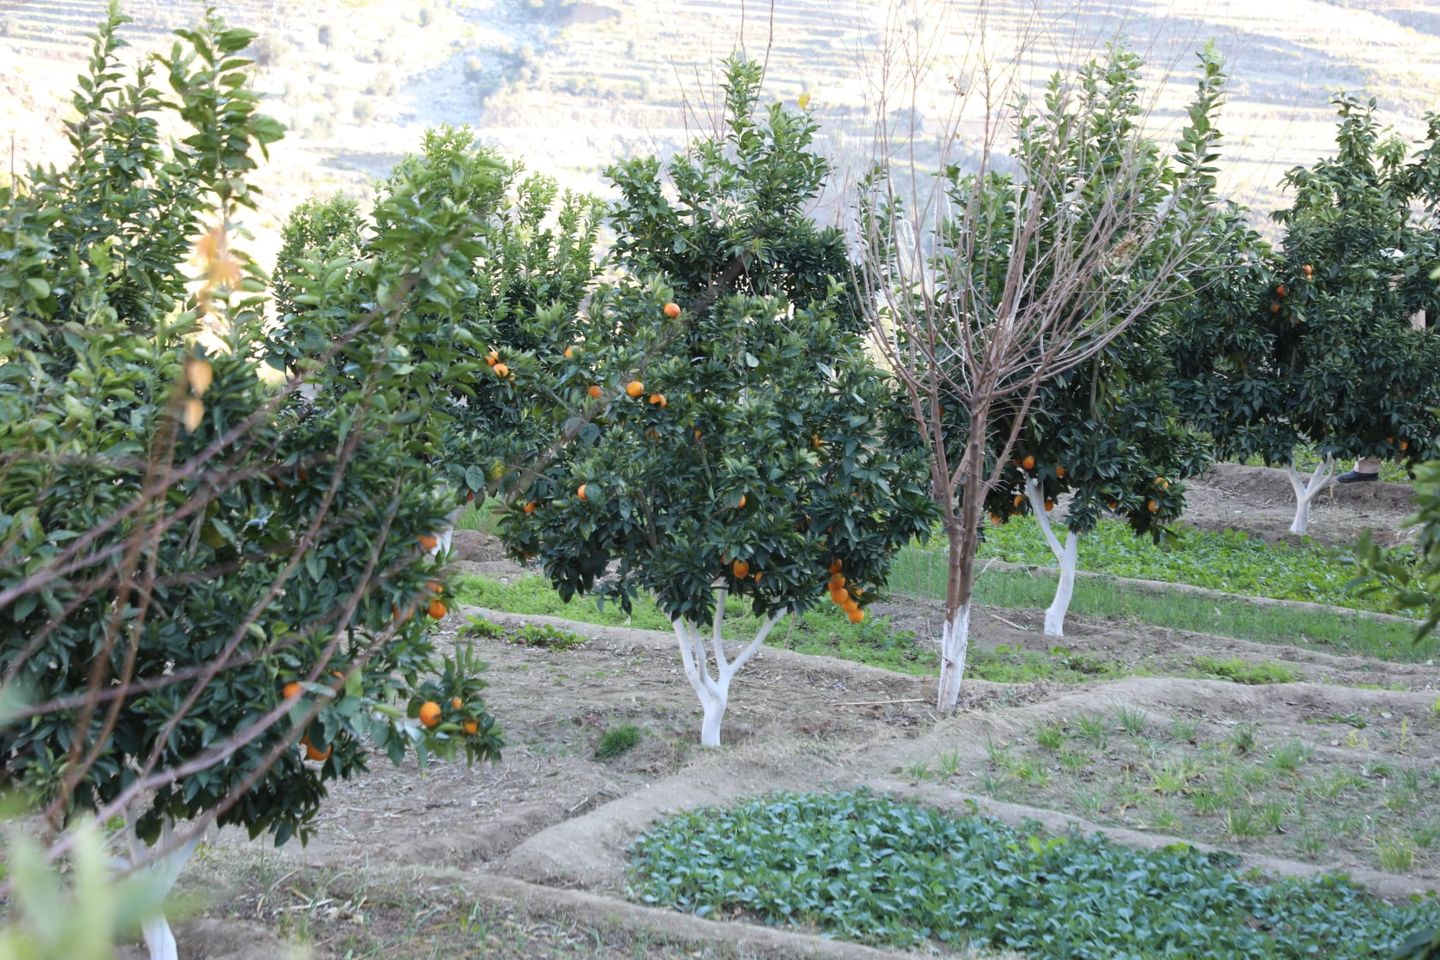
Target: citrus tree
{"x":998,"y":294}
{"x":1324,"y":342}
{"x":1111,"y":434}
{"x":723,"y":444}
{"x":208,"y":583}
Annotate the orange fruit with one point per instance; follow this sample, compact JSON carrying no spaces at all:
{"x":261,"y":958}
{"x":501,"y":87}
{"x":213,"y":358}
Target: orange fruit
{"x":816,"y":442}
{"x":837,"y":580}
{"x":1274,"y":306}
{"x":492,"y":358}
{"x":312,"y":754}
{"x":1028,"y":463}
{"x":1404,"y":445}
{"x":1060,"y":473}
{"x":1308,"y":270}
{"x":840,"y":595}
{"x":580,"y":491}
{"x":437,"y":609}
{"x":292,"y":690}
{"x":1281,"y":291}
{"x":595,"y":391}
{"x":634,"y":388}
{"x":1153,"y":506}
{"x":456,"y":703}
{"x":471,"y":727}
{"x":1018,"y":499}
{"x":430,"y":714}
{"x":435,"y":586}
{"x":835,"y":566}
{"x":502,"y":371}
{"x":855,"y":615}
{"x":995,"y":519}
{"x":659,"y":400}
{"x":569,"y":353}
{"x":1162,"y":483}
{"x":530,"y":507}
{"x":740,"y":504}
{"x":672,"y":310}
{"x":1113,"y":505}
{"x":428,"y":541}
{"x":741,"y":569}
{"x":1049,"y":505}
{"x":698,"y":435}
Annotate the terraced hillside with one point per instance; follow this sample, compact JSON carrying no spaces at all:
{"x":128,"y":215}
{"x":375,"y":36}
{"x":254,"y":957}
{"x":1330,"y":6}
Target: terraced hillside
{"x":570,"y":85}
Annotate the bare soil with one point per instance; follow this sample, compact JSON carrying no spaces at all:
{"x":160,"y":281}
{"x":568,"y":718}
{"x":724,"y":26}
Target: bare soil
{"x":1260,"y":501}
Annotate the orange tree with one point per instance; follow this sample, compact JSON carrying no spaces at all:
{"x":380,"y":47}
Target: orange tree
{"x":1323,"y":343}
{"x":722,"y":444}
{"x":1111,"y":434}
{"x":204,"y":579}
{"x":531,"y":255}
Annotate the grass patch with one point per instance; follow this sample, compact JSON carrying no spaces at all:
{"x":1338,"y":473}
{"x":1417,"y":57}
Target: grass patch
{"x":540,"y":635}
{"x":1237,"y":670}
{"x":617,"y":741}
{"x":1233,"y":786}
{"x":872,"y":869}
{"x":920,"y":572}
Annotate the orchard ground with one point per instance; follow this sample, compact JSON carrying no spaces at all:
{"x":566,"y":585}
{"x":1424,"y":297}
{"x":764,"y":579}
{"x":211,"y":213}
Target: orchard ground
{"x":1316,"y":762}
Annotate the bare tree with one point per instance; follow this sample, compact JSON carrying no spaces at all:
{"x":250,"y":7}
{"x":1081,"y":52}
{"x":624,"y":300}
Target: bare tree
{"x":1034,"y":237}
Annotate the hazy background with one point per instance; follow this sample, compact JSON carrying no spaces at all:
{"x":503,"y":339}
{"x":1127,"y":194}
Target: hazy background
{"x":568,"y":86}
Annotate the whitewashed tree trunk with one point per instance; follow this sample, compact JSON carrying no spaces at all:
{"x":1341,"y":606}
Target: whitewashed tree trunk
{"x":1067,"y":555}
{"x":954,"y":645}
{"x":158,"y":937}
{"x":1306,"y":489}
{"x":714,"y":691}
{"x":448,"y":534}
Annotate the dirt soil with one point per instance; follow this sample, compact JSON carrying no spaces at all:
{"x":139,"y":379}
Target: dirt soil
{"x":1260,"y":501}
{"x":550,"y":823}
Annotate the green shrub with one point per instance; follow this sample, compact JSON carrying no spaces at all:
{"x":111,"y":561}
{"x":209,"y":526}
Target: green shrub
{"x":617,"y":741}
{"x":545,"y":637}
{"x":871,"y":869}
{"x":480,"y":627}
{"x":1237,"y":670}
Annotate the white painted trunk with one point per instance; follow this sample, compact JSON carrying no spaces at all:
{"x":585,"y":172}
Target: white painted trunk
{"x":954,"y":645}
{"x":1306,"y":489}
{"x":448,"y":534}
{"x":1067,"y":555}
{"x":159,"y":939}
{"x":1069,"y":558}
{"x":713,"y":691}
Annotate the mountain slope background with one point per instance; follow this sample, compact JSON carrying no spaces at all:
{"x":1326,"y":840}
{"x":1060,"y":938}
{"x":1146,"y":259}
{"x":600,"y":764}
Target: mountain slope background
{"x":569,"y":86}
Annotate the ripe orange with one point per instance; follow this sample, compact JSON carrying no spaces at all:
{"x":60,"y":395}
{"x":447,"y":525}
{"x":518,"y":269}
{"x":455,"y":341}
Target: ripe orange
{"x":595,"y":391}
{"x":1308,"y":270}
{"x":580,"y":491}
{"x":435,"y":586}
{"x":672,"y":310}
{"x":816,"y":442}
{"x":430,"y":714}
{"x":471,"y":727}
{"x":840,"y":595}
{"x":1049,"y":505}
{"x":741,"y":569}
{"x":1404,"y":445}
{"x":437,"y":609}
{"x":659,"y":400}
{"x":995,"y":519}
{"x":428,"y":541}
{"x":634,"y":388}
{"x":837,"y":580}
{"x":758,"y":575}
{"x":1282,"y":291}
{"x":502,"y":371}
{"x":698,"y":435}
{"x":1162,"y":483}
{"x":1152,"y":506}
{"x":740,"y":504}
{"x":1113,"y":505}
{"x":312,"y":754}
{"x":835,"y":566}
{"x":1060,"y":473}
{"x":291,"y":690}
{"x":1028,"y":463}
{"x":855,"y":615}
{"x":456,"y":703}
{"x":569,"y":353}
{"x":492,"y":358}
{"x":530,"y":507}
{"x":1274,"y":306}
